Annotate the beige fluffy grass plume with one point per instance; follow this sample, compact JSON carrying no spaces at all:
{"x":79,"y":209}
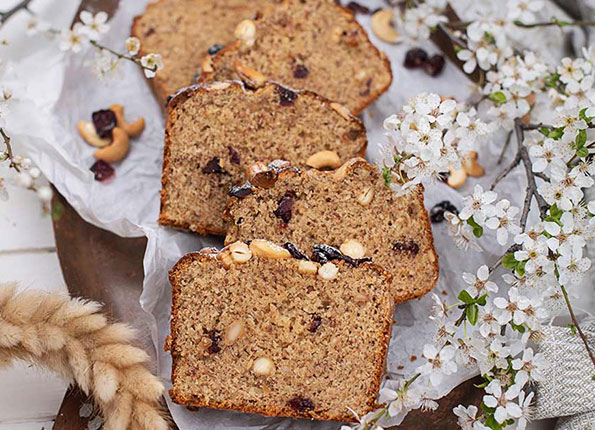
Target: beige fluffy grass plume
{"x":70,"y":337}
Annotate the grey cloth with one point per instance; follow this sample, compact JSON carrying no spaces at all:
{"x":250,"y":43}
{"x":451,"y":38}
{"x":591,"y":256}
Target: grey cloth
{"x":584,"y":421}
{"x":568,"y":389}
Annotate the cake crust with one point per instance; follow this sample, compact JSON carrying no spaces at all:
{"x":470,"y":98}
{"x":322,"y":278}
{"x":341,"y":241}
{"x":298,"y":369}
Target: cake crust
{"x":412,"y":261}
{"x":335,"y":130}
{"x":178,"y":276}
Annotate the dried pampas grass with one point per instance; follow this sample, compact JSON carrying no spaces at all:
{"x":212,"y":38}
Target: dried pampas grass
{"x":70,"y":337}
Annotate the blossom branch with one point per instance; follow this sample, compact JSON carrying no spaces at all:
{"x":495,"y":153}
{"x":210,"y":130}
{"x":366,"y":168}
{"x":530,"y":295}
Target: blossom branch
{"x":135,"y":60}
{"x":23,"y":5}
{"x":9,"y":151}
{"x":576,"y":324}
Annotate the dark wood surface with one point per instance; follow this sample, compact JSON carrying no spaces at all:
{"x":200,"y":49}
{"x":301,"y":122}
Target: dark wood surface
{"x":102,"y":266}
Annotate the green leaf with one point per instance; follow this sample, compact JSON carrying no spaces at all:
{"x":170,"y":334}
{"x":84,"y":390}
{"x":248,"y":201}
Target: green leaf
{"x":520,"y":268}
{"x":572,"y":329}
{"x":498,"y":97}
{"x":477,"y":229}
{"x":482,"y":385}
{"x":551,"y":81}
{"x":486,"y":408}
{"x":492,"y":423}
{"x":387,"y":175}
{"x":583,"y":115}
{"x":57,"y":211}
{"x":545,"y":131}
{"x":465,"y":297}
{"x":581,"y":138}
{"x":481,"y":301}
{"x":582,"y":152}
{"x":472,"y":312}
{"x":509,"y":261}
{"x":519,"y":328}
{"x":556,"y":133}
{"x":555,"y":212}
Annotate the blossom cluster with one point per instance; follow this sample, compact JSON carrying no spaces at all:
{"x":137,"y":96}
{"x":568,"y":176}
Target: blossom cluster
{"x":430,"y":136}
{"x":500,"y":310}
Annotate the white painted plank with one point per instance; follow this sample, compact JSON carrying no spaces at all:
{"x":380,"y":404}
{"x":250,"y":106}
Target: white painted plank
{"x":29,"y":394}
{"x":33,"y":425}
{"x":22,"y":222}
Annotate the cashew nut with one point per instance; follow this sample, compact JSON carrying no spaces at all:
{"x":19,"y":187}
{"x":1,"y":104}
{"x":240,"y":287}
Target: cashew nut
{"x":341,"y":110}
{"x":88,"y":132}
{"x":471,"y":166}
{"x":132,"y":129}
{"x":457,"y":178}
{"x":324,"y":160}
{"x":246,"y":32}
{"x":251,"y":77}
{"x":118,"y":148}
{"x":382,"y":26}
{"x":264,"y":248}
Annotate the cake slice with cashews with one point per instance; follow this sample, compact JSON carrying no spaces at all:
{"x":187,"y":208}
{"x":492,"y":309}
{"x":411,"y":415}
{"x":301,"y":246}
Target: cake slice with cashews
{"x":258,"y":328}
{"x":350,"y":210}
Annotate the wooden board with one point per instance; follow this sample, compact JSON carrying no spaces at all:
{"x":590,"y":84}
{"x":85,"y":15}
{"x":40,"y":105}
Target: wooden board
{"x":102,"y":266}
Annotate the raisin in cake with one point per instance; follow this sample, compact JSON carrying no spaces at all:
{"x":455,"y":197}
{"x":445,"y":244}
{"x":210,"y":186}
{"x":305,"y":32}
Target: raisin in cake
{"x":306,"y":44}
{"x":184,"y":32}
{"x":254,"y":329}
{"x":350,"y":209}
{"x":215,"y":132}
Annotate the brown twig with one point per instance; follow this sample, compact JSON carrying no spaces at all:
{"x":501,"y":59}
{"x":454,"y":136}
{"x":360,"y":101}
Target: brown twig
{"x":515,"y":162}
{"x":4,"y":16}
{"x":505,"y":147}
{"x":555,"y":22}
{"x":576,"y":324}
{"x":9,"y":151}
{"x":135,"y":60}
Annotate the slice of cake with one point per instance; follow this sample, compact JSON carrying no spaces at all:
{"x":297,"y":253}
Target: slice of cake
{"x":255,"y":330}
{"x":184,"y":32}
{"x":350,"y":209}
{"x":214,"y":133}
{"x":306,"y":44}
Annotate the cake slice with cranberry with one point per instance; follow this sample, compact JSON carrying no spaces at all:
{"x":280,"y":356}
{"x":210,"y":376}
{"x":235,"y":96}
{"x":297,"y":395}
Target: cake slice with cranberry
{"x":215,"y":132}
{"x":306,"y":44}
{"x":257,"y":330}
{"x":350,"y":209}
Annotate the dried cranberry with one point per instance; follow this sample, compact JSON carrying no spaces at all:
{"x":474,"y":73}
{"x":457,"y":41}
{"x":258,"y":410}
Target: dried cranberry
{"x":213,"y":166}
{"x":284,"y":206}
{"x":295,"y":251}
{"x":301,"y":404}
{"x":214,"y":49}
{"x":434,"y":65}
{"x":286,"y":96}
{"x":315,"y":323}
{"x":406,"y":246}
{"x":367,"y":90}
{"x":234,"y":157}
{"x":437,"y":212}
{"x":300,"y":71}
{"x":103,"y":171}
{"x":241,"y":191}
{"x":324,"y":253}
{"x":104,"y":122}
{"x":415,"y":58}
{"x":215,"y":337}
{"x":357,"y":8}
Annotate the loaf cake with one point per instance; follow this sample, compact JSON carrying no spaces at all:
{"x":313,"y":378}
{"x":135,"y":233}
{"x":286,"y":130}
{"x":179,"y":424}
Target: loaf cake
{"x":306,"y":44}
{"x":184,"y":32}
{"x":350,"y":209}
{"x":255,"y":330}
{"x":215,"y":132}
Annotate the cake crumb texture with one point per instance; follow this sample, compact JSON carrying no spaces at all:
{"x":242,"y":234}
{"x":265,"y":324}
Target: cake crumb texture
{"x":309,"y":44}
{"x":183,"y":31}
{"x":262,"y":337}
{"x":214,"y":133}
{"x":350,"y":208}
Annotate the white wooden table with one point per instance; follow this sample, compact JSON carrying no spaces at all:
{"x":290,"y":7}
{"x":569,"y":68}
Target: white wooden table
{"x":29,"y":397}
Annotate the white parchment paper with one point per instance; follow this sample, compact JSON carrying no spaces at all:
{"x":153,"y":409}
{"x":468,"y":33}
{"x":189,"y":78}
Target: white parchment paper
{"x":56,"y":90}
